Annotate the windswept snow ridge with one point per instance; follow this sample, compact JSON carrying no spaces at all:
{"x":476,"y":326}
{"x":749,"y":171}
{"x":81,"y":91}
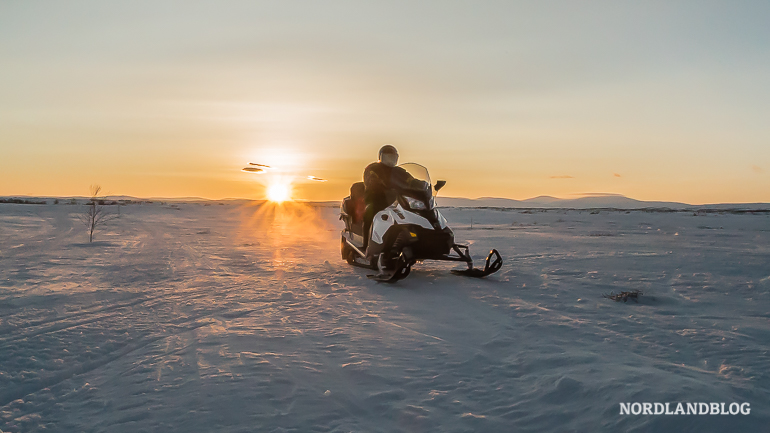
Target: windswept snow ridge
{"x":235,"y":318}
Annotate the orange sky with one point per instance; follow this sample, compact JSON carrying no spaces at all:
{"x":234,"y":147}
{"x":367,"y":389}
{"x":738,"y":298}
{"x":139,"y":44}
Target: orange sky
{"x":653,"y":101}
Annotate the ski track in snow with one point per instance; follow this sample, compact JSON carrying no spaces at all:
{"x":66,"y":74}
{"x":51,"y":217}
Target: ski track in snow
{"x":233,"y":318}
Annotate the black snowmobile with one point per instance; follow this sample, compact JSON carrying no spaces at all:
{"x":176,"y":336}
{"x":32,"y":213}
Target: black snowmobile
{"x":411,"y":229}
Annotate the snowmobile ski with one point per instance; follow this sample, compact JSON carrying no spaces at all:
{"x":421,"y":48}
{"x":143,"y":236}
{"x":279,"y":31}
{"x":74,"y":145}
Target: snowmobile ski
{"x":492,"y":264}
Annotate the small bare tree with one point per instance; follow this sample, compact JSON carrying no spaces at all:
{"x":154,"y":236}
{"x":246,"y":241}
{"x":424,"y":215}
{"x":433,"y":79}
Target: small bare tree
{"x":95,"y":214}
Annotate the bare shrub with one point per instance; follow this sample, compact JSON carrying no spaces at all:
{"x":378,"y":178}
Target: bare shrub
{"x":95,"y":214}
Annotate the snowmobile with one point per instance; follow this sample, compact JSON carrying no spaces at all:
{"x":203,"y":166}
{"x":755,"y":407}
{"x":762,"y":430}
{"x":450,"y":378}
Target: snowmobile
{"x":410,"y":230}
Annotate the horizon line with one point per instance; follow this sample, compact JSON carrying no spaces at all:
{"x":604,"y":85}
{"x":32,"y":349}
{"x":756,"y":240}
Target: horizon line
{"x":192,"y":198}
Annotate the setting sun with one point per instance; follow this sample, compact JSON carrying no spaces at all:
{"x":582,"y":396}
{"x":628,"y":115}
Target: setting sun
{"x":278,"y":193}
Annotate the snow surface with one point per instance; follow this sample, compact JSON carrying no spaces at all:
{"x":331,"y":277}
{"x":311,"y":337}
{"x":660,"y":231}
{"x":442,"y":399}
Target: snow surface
{"x":233,"y":318}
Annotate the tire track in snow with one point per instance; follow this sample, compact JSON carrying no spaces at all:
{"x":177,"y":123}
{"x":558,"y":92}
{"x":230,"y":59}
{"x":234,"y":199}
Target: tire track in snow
{"x":55,"y":328}
{"x":52,"y":380}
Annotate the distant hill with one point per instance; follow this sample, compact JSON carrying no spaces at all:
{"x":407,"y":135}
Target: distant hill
{"x":615,"y":201}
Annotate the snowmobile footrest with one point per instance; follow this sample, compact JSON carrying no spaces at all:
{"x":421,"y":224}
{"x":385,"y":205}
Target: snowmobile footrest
{"x":400,"y":272}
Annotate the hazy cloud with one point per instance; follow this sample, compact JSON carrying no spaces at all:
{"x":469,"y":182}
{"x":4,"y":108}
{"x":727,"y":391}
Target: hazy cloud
{"x":757,"y":169}
{"x":566,"y":176}
{"x":616,"y":175}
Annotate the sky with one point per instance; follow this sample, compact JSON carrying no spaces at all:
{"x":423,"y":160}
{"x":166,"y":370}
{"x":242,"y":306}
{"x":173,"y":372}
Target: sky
{"x":655,"y":100}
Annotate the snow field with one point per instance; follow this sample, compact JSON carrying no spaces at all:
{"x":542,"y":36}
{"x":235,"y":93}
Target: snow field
{"x":239,"y":318}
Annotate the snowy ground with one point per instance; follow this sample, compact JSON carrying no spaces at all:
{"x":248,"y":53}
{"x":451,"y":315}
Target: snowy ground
{"x":233,"y":318}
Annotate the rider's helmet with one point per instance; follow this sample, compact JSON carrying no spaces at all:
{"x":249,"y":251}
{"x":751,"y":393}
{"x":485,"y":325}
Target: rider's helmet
{"x":389,"y":155}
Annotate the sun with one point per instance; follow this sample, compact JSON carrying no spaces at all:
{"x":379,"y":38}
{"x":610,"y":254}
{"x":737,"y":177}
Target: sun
{"x":278,"y":193}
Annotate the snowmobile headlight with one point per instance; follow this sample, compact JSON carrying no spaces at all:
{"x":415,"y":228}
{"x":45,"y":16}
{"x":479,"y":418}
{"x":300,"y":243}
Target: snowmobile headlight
{"x":415,"y":204}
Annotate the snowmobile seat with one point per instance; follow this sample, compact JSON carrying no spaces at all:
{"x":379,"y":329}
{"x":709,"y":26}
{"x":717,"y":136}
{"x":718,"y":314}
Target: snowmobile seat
{"x":357,"y":204}
{"x":354,"y":207}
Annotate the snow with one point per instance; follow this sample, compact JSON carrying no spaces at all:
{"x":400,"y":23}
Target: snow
{"x":235,"y":318}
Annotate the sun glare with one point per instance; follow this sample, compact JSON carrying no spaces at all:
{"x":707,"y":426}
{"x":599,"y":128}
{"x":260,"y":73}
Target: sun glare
{"x":278,"y":193}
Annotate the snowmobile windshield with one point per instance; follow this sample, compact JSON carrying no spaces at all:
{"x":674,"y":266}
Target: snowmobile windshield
{"x":415,"y":188}
{"x":418,"y":172}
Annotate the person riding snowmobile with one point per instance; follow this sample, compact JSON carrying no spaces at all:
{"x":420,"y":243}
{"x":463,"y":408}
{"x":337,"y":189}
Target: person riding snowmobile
{"x":382,"y":179}
{"x":408,"y":228}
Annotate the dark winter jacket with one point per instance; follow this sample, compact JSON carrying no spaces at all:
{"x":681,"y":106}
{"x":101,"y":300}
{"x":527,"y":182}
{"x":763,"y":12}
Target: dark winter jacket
{"x":379,"y":177}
